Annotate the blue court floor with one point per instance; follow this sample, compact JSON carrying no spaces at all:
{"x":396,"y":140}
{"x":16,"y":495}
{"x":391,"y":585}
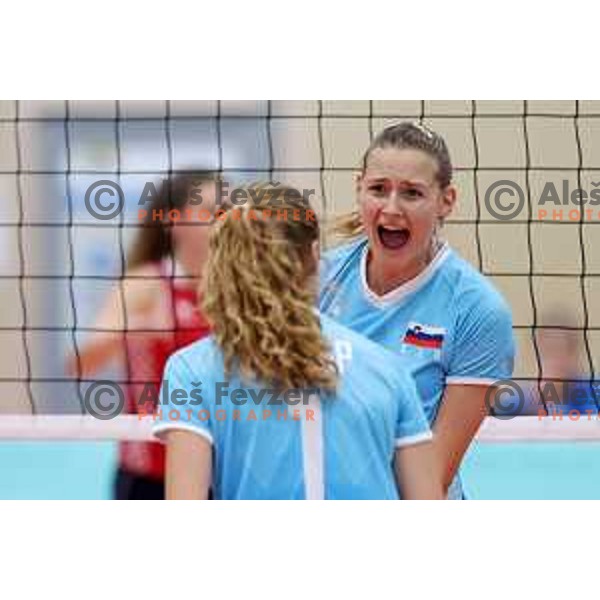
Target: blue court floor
{"x":76,"y":470}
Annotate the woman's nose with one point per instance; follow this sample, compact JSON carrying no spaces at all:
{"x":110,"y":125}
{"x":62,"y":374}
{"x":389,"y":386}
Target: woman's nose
{"x":393,"y":203}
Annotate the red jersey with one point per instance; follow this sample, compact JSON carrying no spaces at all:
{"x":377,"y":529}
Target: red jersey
{"x":147,"y":356}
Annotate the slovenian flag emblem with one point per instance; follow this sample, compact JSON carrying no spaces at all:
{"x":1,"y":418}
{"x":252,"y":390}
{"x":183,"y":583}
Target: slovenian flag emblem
{"x":424,"y":336}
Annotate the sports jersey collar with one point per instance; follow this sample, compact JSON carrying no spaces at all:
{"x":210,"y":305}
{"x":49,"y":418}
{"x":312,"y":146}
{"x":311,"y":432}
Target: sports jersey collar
{"x":404,"y":290}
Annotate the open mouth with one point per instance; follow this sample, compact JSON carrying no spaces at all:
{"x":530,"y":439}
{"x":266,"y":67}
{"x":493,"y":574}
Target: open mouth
{"x":393,"y":239}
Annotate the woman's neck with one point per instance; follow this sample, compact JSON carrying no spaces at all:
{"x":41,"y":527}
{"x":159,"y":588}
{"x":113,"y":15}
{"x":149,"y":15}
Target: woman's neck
{"x":383,"y":275}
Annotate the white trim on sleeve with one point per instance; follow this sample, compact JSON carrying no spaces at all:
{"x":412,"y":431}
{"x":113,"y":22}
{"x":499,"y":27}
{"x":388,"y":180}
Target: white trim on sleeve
{"x":458,"y":380}
{"x":417,"y":438}
{"x":160,"y":428}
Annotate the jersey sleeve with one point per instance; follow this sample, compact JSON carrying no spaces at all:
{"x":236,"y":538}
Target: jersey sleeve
{"x":184,"y":408}
{"x":483,"y":349}
{"x":412,"y":426}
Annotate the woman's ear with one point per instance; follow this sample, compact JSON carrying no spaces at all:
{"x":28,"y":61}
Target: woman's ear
{"x":358,"y":180}
{"x":448,"y":201}
{"x":311,"y":267}
{"x":316,"y":251}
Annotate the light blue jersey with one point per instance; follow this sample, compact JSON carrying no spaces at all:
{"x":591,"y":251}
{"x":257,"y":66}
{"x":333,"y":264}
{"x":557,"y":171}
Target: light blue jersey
{"x":448,"y":325}
{"x":298,"y":445}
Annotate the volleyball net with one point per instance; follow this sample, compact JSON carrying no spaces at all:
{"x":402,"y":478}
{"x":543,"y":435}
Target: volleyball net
{"x":528,"y":175}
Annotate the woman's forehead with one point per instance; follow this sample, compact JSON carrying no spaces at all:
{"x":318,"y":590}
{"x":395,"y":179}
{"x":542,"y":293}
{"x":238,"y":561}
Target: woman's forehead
{"x":401,"y":164}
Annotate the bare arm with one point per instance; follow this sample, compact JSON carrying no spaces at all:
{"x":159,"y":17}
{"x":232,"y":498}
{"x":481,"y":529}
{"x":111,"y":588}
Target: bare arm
{"x":127,"y":308}
{"x":189,"y":466}
{"x":461,"y":413}
{"x":416,"y":475}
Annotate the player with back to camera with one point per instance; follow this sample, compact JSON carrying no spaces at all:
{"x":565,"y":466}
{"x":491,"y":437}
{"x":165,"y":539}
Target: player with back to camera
{"x":153,"y":313}
{"x":358,"y":431}
{"x":396,"y":282}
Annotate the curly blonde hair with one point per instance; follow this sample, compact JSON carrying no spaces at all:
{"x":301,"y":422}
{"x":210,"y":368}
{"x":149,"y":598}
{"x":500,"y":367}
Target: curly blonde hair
{"x":257,"y":294}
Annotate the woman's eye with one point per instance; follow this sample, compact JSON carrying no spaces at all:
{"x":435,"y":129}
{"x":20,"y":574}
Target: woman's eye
{"x":376,"y":189}
{"x":413,"y":193}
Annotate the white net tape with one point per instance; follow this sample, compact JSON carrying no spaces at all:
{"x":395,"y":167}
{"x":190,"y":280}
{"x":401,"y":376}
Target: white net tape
{"x":132,"y":427}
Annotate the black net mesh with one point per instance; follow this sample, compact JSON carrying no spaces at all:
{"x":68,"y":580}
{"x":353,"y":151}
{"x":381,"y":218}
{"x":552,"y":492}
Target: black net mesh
{"x":60,"y":261}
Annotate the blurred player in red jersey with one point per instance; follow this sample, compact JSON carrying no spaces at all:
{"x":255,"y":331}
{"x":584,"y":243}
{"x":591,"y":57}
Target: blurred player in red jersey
{"x":154,"y":309}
